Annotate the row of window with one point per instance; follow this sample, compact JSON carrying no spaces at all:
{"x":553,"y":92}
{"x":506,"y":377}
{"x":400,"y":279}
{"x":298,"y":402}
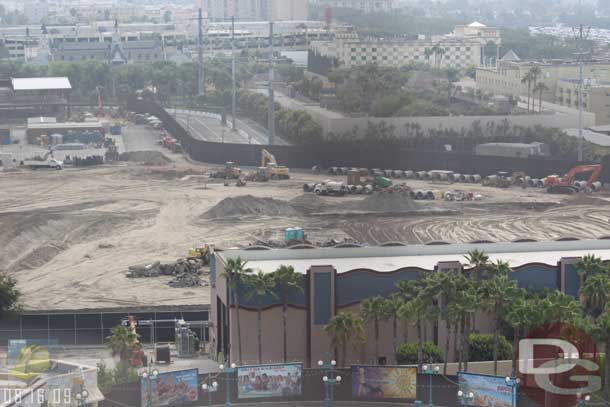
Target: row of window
{"x":416,"y":57}
{"x":447,"y":49}
{"x":147,"y":57}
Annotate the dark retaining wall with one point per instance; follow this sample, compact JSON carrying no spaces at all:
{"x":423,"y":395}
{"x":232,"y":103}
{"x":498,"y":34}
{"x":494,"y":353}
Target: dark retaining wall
{"x":350,"y":156}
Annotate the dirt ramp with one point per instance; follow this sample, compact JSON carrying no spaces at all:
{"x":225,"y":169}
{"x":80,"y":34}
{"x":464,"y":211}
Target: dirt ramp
{"x":387,"y":202}
{"x":152,"y":158}
{"x":248,"y":205}
{"x":309,"y":203}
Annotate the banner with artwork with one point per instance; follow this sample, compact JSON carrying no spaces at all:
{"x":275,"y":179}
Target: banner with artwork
{"x":262,"y":381}
{"x":384,"y":382}
{"x":488,"y":391}
{"x":171,"y":388}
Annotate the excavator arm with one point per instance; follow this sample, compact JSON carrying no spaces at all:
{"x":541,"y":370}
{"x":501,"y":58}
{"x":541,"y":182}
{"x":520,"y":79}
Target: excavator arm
{"x":595,"y":171}
{"x":267,"y":158}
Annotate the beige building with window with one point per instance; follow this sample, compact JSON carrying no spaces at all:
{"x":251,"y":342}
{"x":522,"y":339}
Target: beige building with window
{"x":463,"y":48}
{"x":596,"y":97}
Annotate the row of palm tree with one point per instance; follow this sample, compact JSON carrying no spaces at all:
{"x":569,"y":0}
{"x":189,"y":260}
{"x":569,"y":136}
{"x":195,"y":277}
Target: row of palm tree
{"x":260,"y":287}
{"x":535,"y":87}
{"x":454,"y":298}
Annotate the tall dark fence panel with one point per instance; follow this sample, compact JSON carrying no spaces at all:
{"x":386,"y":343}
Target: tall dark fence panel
{"x":350,"y":156}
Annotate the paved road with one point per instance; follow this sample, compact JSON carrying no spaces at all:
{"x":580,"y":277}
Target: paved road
{"x":207,"y":126}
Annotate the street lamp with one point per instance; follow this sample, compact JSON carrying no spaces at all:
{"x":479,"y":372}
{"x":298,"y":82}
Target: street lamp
{"x":330,"y":380}
{"x":150,"y":375}
{"x":82,"y":397}
{"x":430,"y":371}
{"x":465,"y":399}
{"x":513,"y":383}
{"x":582,"y":400}
{"x":209,"y":387}
{"x":228,"y":371}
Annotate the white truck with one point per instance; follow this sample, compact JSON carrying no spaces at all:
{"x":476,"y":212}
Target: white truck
{"x":46,"y":163}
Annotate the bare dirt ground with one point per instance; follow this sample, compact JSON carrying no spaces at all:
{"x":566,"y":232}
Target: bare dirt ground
{"x":69,"y":236}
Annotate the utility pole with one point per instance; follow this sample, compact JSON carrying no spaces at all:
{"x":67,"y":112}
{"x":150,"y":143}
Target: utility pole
{"x":200,"y":68}
{"x":271,"y":109}
{"x":580,"y":98}
{"x":234,"y":95}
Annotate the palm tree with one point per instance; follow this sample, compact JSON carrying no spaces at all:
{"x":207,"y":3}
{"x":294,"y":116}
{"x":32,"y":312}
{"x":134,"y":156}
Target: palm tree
{"x":520,"y":315}
{"x":261,"y":286}
{"x":345,"y":327}
{"x":479,"y":261}
{"x":496,"y":295}
{"x":428,"y":53}
{"x":528,"y":78}
{"x":234,"y":270}
{"x":374,"y":310}
{"x":121,"y":341}
{"x":392,"y":306}
{"x":417,"y":311}
{"x":596,"y":293}
{"x":540,"y":88}
{"x":9,"y":295}
{"x":287,"y":281}
{"x":587,"y":266}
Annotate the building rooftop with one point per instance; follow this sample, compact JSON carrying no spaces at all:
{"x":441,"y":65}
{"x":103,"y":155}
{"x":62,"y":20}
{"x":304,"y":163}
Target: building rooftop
{"x":50,"y":83}
{"x":588,"y":83}
{"x":65,"y":125}
{"x":596,"y":138}
{"x":387,"y":259}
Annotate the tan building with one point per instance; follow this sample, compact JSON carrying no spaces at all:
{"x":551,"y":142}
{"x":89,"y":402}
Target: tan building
{"x":462,"y":48}
{"x":339,"y":279}
{"x":507,"y":79}
{"x":596,"y":97}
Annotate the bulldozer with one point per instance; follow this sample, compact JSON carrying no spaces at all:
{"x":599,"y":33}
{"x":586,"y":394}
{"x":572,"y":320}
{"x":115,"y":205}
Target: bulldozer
{"x":202,"y":253}
{"x":273,"y":170}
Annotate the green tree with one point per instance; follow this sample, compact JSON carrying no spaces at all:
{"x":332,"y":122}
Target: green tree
{"x":528,"y":78}
{"x":9,"y":294}
{"x":234,"y":271}
{"x":407,"y":353}
{"x":374,"y":310}
{"x":121,"y":341}
{"x":392,"y":306}
{"x":261,"y":286}
{"x":588,"y":266}
{"x":486,"y":347}
{"x":287,"y":281}
{"x":540,"y":88}
{"x":343,"y":329}
{"x":479,"y":261}
{"x":418,"y":311}
{"x":496,"y":294}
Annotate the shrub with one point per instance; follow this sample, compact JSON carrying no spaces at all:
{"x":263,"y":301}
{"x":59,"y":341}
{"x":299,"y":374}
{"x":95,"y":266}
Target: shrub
{"x":407,"y":353}
{"x":481,"y":348}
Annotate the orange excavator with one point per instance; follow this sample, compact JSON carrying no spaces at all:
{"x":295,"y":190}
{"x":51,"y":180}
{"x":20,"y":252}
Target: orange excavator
{"x":566,"y":184}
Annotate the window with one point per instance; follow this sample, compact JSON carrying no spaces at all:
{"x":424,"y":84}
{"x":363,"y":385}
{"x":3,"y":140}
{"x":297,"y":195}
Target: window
{"x":467,"y":48}
{"x":364,"y":58}
{"x":384,"y":58}
{"x":374,"y":49}
{"x":353,"y":50}
{"x":363,"y":49}
{"x":353,"y":58}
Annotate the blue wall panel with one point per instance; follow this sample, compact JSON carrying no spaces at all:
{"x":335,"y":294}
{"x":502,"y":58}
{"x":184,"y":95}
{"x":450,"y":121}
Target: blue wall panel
{"x":359,"y":285}
{"x":536,"y":277}
{"x":572,"y":280}
{"x":322,"y":307}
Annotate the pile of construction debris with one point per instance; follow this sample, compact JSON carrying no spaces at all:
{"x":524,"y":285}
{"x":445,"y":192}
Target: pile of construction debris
{"x":187,"y":272}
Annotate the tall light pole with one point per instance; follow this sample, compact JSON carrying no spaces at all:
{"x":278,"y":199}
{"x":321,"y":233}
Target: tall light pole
{"x":513,"y":383}
{"x":228,"y":371}
{"x":330,"y":381}
{"x":430,"y":371}
{"x":234,"y":91}
{"x":271,"y":120}
{"x":150,"y":375}
{"x":200,"y":65}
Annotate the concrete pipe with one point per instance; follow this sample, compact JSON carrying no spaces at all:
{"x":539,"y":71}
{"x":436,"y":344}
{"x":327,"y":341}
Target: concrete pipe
{"x":533,"y":182}
{"x":476,"y":179}
{"x":359,"y":189}
{"x":351,"y":189}
{"x":411,"y":194}
{"x":409,"y":174}
{"x":540,"y":183}
{"x":596,"y":186}
{"x":420,"y":175}
{"x":467,"y":178}
{"x":430,"y":195}
{"x":428,"y":175}
{"x":449,"y":196}
{"x":368,"y":189}
{"x":397,"y":173}
{"x":456,"y":177}
{"x":387,"y":173}
{"x":420,"y":195}
{"x":580,"y":184}
{"x":308,"y":187}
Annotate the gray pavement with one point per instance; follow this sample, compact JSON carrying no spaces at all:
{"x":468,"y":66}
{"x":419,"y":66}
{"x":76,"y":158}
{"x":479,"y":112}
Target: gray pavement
{"x":208,"y":127}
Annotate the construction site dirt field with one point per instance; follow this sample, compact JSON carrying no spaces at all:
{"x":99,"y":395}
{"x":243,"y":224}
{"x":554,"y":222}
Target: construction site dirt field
{"x":69,"y":236}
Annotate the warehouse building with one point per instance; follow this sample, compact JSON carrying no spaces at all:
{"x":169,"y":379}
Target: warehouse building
{"x":339,"y":279}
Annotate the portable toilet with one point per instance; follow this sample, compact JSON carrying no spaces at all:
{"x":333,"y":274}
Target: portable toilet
{"x":289,"y":234}
{"x":299,"y":233}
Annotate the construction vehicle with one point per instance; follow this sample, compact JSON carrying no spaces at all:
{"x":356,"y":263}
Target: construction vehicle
{"x":230,"y":171}
{"x":568,"y":184}
{"x":203,"y":253}
{"x":498,"y":180}
{"x":274,"y":171}
{"x":44,"y":163}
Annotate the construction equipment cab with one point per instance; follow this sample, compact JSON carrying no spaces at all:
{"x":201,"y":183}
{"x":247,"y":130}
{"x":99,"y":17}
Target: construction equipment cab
{"x":274,"y":171}
{"x":567,"y":185}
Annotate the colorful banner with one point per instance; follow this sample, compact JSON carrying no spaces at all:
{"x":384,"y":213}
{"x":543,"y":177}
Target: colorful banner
{"x":171,"y":388}
{"x":384,"y":382}
{"x":489,"y":391}
{"x":269,"y":381}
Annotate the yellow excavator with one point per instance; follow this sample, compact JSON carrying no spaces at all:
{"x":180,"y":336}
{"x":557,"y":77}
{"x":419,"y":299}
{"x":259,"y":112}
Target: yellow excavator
{"x":269,"y":168}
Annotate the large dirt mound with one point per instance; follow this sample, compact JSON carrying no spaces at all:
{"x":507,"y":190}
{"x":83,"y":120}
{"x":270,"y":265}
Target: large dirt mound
{"x":309,"y":203}
{"x":246,"y":205}
{"x":387,"y":202}
{"x":153,"y":158}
